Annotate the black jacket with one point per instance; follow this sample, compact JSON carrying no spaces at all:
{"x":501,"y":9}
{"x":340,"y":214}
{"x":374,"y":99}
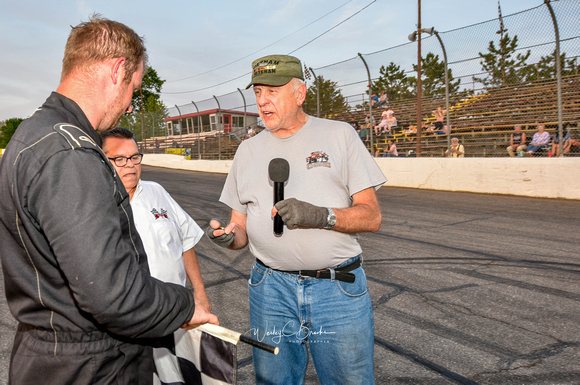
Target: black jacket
{"x":75,"y":270}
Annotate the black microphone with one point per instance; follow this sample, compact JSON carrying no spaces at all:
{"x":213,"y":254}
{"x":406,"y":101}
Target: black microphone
{"x":278,"y":170}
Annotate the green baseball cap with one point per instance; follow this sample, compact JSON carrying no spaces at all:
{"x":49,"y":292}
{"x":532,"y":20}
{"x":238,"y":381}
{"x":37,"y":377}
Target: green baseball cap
{"x":275,"y":70}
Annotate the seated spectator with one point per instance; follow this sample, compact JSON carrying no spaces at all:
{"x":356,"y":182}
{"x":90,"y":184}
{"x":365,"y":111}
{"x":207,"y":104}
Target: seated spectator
{"x":374,"y":99}
{"x":364,"y":133}
{"x":411,"y":130}
{"x":391,"y":149}
{"x":517,"y":141}
{"x":573,"y":146}
{"x":391,"y":120}
{"x":556,"y":143}
{"x":430,"y":128}
{"x":456,"y":150}
{"x":382,"y":100}
{"x":444,"y":130}
{"x":539,"y":140}
{"x":388,"y":121}
{"x":354,"y":124}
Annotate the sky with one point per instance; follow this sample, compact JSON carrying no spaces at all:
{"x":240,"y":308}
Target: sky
{"x":205,"y":48}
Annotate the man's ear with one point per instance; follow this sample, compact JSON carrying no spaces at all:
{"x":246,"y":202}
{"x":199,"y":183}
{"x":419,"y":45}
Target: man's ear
{"x":301,"y":94}
{"x":118,"y":70}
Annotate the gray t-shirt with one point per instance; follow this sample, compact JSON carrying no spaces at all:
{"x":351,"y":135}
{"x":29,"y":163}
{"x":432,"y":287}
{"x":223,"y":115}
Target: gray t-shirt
{"x":328,"y":164}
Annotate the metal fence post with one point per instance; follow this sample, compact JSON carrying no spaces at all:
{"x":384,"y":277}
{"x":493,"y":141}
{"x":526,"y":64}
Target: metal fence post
{"x":317,"y":92}
{"x":370,"y":103}
{"x":198,"y":131}
{"x":245,"y":108}
{"x":180,"y":127}
{"x":219,"y":128}
{"x":558,"y":78}
{"x":446,"y":89}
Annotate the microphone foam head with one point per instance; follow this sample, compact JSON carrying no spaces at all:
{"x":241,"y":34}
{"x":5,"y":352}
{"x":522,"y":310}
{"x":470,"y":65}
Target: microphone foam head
{"x":279,"y":170}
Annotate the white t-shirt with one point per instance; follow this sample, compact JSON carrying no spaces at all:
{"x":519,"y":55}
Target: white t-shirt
{"x":165,"y":229}
{"x":328,"y":164}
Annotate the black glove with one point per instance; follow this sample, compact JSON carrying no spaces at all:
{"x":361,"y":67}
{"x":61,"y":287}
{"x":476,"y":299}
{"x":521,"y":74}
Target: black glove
{"x":299,"y":213}
{"x":223,"y":240}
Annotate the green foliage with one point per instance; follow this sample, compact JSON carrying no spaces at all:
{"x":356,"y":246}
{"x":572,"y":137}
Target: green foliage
{"x":331,"y":99}
{"x":148,"y":97}
{"x":433,"y":76}
{"x":501,"y":65}
{"x":148,"y":109}
{"x":545,"y":68}
{"x":394,"y":82}
{"x":8,"y":129}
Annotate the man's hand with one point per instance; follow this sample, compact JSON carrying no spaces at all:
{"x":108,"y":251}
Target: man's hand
{"x":220,"y":234}
{"x":297,"y":213}
{"x":201,"y":316}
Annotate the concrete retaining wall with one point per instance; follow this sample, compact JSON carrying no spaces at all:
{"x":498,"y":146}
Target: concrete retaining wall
{"x":535,"y":177}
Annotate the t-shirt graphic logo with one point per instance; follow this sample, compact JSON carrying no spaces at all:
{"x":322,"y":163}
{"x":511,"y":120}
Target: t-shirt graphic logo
{"x":158,"y":214}
{"x":317,"y":159}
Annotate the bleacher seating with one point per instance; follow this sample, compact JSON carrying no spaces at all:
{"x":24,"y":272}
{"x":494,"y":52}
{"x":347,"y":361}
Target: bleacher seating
{"x":484,"y":121}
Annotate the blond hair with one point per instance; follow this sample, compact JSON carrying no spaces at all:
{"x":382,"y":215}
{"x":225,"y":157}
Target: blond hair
{"x":99,"y":39}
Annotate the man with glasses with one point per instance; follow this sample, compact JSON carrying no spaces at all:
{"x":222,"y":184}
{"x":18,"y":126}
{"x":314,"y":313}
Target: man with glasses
{"x":75,"y":270}
{"x":167,"y":231}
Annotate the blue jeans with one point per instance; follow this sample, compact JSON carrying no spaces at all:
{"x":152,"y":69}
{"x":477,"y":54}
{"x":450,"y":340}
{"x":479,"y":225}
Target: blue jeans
{"x":334,"y":317}
{"x":535,"y":148}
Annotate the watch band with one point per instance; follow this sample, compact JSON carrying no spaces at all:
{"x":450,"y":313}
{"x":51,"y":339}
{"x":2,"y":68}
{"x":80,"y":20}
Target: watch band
{"x":330,"y":219}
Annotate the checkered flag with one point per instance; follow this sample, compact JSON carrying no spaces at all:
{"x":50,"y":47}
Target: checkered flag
{"x":501,"y":28}
{"x":307,"y":73}
{"x":196,"y":358}
{"x":206,"y":355}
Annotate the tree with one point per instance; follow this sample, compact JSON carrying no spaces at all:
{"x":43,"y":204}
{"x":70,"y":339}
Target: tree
{"x":433,"y":76}
{"x":501,"y":66}
{"x":8,"y":129}
{"x":331,"y":99}
{"x":394,"y":82}
{"x":545,"y":68}
{"x":148,"y":109}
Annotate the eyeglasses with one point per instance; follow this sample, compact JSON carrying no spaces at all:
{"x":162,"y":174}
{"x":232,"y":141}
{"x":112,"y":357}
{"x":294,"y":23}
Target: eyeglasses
{"x":121,"y":161}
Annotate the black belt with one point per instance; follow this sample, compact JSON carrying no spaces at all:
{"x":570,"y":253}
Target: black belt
{"x":340,"y":273}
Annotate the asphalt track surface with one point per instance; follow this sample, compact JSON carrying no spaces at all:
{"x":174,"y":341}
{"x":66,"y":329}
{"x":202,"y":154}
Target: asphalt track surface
{"x":466,"y":288}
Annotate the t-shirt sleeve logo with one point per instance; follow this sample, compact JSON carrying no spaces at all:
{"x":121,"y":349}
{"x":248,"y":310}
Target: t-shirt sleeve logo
{"x":158,"y":214}
{"x":317,"y":159}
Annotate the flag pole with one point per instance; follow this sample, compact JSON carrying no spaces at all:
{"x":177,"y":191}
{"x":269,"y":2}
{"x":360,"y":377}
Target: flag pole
{"x":234,"y":337}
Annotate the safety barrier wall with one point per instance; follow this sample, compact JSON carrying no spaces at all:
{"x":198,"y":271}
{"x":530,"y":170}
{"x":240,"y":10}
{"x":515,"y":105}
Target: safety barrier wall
{"x":534,"y":177}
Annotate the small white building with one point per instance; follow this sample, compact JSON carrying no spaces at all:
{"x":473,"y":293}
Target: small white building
{"x":225,"y":121}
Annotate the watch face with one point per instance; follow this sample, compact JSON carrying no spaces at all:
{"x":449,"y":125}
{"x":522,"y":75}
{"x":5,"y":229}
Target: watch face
{"x":331,"y":218}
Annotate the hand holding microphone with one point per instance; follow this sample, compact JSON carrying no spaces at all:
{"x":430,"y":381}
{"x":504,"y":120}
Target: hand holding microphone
{"x":278,"y":170}
{"x":303,"y":214}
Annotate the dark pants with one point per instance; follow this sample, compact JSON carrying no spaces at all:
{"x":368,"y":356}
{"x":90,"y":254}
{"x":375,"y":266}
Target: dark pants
{"x":77,"y":358}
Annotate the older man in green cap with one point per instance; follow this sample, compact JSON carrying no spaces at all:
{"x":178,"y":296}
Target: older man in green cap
{"x":307,"y":285}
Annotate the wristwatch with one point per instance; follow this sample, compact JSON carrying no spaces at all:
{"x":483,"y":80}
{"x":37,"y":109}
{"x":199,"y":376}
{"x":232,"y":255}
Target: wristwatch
{"x":331,"y":219}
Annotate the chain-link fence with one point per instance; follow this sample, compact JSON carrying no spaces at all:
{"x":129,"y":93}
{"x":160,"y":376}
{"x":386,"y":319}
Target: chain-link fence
{"x":501,"y":73}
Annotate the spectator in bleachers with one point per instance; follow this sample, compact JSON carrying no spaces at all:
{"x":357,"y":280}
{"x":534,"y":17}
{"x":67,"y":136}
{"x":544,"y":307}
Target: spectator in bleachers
{"x":391,"y":149}
{"x":439,"y":114}
{"x":517,"y":141}
{"x":539,"y":140}
{"x":355,"y":125}
{"x":456,"y":150}
{"x":556,"y":143}
{"x":374,"y":99}
{"x":382,"y":100}
{"x":387,"y":122}
{"x":363,"y":133}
